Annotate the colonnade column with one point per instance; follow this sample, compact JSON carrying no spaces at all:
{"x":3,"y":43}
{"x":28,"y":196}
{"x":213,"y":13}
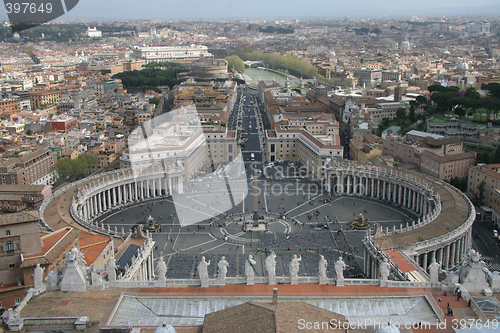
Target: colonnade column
{"x":452,"y":254}
{"x":447,"y":257}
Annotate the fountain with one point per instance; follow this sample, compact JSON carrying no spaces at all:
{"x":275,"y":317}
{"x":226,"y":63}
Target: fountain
{"x":361,"y":222}
{"x":151,"y":225}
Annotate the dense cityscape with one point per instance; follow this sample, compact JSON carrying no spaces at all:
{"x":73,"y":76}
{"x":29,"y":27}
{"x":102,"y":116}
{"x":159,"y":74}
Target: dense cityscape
{"x":251,"y":175}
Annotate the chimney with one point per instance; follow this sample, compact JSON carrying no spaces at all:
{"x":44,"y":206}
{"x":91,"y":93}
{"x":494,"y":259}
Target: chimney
{"x":275,"y":296}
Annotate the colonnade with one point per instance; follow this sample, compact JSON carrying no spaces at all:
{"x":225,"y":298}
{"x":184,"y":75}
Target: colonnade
{"x":414,"y":192}
{"x":449,"y":255}
{"x":101,"y":195}
{"x":397,"y":191}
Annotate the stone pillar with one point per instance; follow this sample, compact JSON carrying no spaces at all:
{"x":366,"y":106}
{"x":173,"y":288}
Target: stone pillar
{"x":383,"y":190}
{"x":373,"y":187}
{"x":405,"y":197}
{"x":439,"y":255}
{"x":119,"y":188}
{"x":447,"y":257}
{"x":108,"y":197}
{"x":99,"y":207}
{"x":160,"y":180}
{"x":169,"y":186}
{"x":348,"y":184}
{"x":94,"y":205}
{"x":113,"y":191}
{"x":452,"y":254}
{"x":153,"y":183}
{"x":424,"y":261}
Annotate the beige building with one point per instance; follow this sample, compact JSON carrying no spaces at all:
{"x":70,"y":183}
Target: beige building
{"x":38,"y":98}
{"x":489,"y":137}
{"x":363,"y":150}
{"x":490,"y":175}
{"x":311,"y":146}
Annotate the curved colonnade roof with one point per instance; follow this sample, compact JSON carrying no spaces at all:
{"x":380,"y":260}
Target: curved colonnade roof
{"x":454,"y":213}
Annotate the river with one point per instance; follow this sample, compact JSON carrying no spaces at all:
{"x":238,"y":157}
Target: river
{"x":253,"y":75}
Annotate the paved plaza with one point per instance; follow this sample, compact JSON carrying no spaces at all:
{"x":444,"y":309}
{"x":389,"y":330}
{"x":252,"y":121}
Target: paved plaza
{"x":296,"y":214}
{"x":315,"y":224}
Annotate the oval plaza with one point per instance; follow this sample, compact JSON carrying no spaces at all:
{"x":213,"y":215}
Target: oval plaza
{"x":209,"y":224}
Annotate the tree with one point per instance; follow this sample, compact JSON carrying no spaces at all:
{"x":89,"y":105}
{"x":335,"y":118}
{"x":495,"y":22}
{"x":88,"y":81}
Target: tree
{"x":154,"y":100}
{"x":472,"y":93}
{"x":28,"y":132}
{"x":401,"y":113}
{"x":77,"y":168}
{"x":412,"y":113}
{"x":235,"y":62}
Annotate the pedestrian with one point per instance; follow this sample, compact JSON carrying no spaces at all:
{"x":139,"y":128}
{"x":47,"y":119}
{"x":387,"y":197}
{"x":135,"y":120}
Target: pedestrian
{"x":439,"y":300}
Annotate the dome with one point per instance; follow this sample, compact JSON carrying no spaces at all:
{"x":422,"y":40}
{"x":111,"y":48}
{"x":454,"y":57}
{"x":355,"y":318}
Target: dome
{"x":165,"y":328}
{"x":463,"y":66}
{"x":390,"y":328}
{"x":405,"y":45}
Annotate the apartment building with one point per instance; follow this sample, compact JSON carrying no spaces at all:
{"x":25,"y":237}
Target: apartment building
{"x":440,"y":157}
{"x":39,"y":98}
{"x":9,"y":107}
{"x":19,"y":236}
{"x":368,"y":75}
{"x":31,"y":166}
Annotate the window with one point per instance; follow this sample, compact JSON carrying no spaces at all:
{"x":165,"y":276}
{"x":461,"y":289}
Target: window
{"x":7,"y":232}
{"x":12,"y":266}
{"x":17,"y":301}
{"x":9,"y":246}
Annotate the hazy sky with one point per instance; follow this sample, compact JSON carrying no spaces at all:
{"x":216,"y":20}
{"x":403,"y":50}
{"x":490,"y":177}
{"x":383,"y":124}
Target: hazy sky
{"x":268,"y":9}
{"x":213,"y":9}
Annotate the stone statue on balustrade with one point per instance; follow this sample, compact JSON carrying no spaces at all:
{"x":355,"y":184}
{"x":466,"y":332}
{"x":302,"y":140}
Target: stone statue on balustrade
{"x":203,"y":272}
{"x":434,"y":271}
{"x":38,"y":277}
{"x":97,"y":283}
{"x":223,"y":265}
{"x":323,"y":264}
{"x":270,"y":264}
{"x":111,"y":269}
{"x":294,"y":269}
{"x":161,"y":270}
{"x":385,"y":271}
{"x":339,"y":271}
{"x":250,"y":270}
{"x":53,"y":279}
{"x":472,"y":273}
